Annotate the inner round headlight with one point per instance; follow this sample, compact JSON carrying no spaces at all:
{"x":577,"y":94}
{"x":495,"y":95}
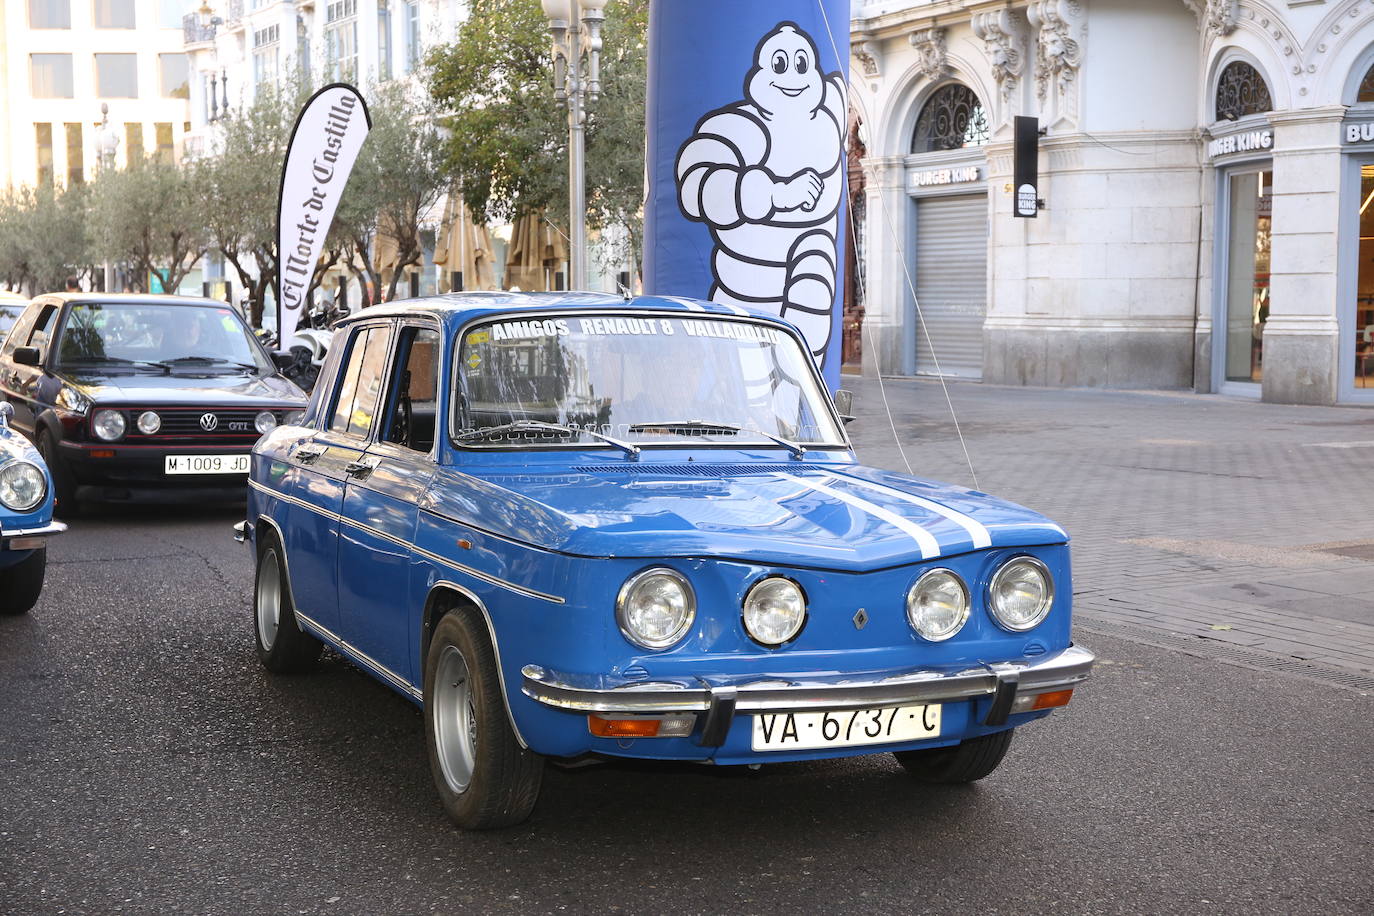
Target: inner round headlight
{"x":149,"y":423}
{"x":108,"y":424}
{"x":774,"y":611}
{"x":655,"y":608}
{"x":22,"y":486}
{"x":265,"y":421}
{"x":937,"y":605}
{"x":1021,"y":593}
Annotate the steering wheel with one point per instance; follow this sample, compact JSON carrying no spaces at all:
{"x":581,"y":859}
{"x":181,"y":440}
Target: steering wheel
{"x":400,"y":422}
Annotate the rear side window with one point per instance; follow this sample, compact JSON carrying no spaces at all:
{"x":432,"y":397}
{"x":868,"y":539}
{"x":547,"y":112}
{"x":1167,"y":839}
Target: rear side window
{"x":356,"y":407}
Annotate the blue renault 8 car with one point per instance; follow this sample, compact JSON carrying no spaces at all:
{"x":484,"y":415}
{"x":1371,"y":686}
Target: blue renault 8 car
{"x":26,"y":522}
{"x":573,"y":526}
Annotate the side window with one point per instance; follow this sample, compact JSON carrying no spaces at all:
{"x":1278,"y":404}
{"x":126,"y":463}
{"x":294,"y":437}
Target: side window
{"x":412,"y":401}
{"x":21,"y":328}
{"x":362,"y":383}
{"x":42,"y":328}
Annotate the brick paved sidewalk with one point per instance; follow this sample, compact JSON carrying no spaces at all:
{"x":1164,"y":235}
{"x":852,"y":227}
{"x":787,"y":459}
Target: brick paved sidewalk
{"x":1223,"y":527}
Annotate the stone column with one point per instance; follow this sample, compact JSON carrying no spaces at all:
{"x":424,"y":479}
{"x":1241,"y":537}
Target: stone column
{"x":886,"y":315}
{"x":1301,"y":334}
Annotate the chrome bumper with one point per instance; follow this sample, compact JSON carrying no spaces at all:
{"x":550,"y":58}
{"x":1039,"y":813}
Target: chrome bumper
{"x":9,"y":536}
{"x":241,"y":532}
{"x":719,"y":700}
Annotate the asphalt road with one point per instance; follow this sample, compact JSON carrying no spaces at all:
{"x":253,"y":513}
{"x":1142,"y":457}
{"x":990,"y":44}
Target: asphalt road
{"x":149,"y":765}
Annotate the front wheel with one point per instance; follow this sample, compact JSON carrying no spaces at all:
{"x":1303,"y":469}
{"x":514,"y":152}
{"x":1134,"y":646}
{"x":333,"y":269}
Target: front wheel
{"x":484,"y":777}
{"x":63,"y":484}
{"x":966,"y":761}
{"x":22,"y":583}
{"x":283,"y":647}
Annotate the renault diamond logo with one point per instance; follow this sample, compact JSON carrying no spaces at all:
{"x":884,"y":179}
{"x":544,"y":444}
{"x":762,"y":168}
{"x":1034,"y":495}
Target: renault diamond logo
{"x":209,"y":422}
{"x":860,"y":619}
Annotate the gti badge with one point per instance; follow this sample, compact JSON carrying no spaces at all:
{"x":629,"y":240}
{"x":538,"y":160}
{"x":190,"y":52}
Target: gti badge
{"x":208,"y":422}
{"x":860,"y":619}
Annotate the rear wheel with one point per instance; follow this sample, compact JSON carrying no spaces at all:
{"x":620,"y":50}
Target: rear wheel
{"x":22,"y":583}
{"x":283,"y":647}
{"x":484,"y":777}
{"x":966,"y":761}
{"x":63,"y":484}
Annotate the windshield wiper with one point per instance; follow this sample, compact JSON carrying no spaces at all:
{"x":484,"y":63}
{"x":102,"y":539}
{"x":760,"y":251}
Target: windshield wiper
{"x":709,"y":426}
{"x":494,"y":432}
{"x":210,"y":361}
{"x":118,"y":361}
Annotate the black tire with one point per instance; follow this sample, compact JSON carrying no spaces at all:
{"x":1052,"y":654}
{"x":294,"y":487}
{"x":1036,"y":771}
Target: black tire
{"x":22,"y":583}
{"x":63,"y":484}
{"x":966,"y":761}
{"x":489,"y":780}
{"x":283,"y":647}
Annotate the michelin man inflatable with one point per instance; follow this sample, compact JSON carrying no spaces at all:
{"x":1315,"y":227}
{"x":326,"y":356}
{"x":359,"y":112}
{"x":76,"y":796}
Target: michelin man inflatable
{"x":764,"y":175}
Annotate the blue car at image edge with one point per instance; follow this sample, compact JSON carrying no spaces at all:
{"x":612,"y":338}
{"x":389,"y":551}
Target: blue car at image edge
{"x":572,"y":526}
{"x":26,"y":522}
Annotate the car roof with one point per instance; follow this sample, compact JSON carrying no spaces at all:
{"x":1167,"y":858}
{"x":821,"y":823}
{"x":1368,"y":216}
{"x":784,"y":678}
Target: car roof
{"x":141,"y":298}
{"x":462,"y":307}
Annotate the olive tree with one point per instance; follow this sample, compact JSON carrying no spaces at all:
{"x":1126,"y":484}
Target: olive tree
{"x":151,"y":216}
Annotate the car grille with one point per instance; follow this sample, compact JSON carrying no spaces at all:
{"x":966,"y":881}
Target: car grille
{"x":183,"y":425}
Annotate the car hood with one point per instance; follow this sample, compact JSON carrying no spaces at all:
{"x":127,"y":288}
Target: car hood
{"x":224,"y":389}
{"x":843,"y":517}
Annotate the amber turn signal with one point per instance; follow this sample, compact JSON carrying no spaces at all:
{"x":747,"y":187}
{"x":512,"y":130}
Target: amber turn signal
{"x":1052,"y":699}
{"x":623,"y":728}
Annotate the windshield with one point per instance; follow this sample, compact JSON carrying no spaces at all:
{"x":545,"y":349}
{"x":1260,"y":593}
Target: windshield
{"x":641,"y":379}
{"x":165,"y":337}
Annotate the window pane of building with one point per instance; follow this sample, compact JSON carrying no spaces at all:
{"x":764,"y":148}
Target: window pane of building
{"x":341,"y":39}
{"x":384,"y":42}
{"x":1364,"y":292}
{"x":76,"y":163}
{"x":113,"y":14}
{"x":175,"y":73}
{"x":116,"y":76}
{"x":50,"y":14}
{"x":412,"y":31}
{"x":164,"y":142}
{"x":1247,"y":281}
{"x":50,"y":76}
{"x":133,"y":141}
{"x":43,"y":134}
{"x":170,"y":12}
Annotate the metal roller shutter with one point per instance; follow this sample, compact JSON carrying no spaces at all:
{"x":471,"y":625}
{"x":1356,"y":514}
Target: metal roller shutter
{"x":951,"y":284}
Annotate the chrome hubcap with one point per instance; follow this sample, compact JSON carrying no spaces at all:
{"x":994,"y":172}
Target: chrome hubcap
{"x":269,"y":599}
{"x":455,"y":719}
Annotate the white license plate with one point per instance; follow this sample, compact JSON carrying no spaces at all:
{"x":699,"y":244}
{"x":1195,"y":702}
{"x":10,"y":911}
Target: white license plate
{"x":207,"y":464}
{"x":803,"y":731}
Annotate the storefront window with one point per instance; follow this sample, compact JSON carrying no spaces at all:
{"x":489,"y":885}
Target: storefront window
{"x":1364,"y":293}
{"x":1247,"y":286}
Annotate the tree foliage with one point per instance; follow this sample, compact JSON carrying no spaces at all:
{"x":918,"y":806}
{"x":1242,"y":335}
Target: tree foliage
{"x":150,"y":216}
{"x":509,"y":139}
{"x":43,"y":237}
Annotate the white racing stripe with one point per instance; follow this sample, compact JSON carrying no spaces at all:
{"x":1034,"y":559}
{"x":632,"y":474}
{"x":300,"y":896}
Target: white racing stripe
{"x":923,"y":538}
{"x":975,"y":528}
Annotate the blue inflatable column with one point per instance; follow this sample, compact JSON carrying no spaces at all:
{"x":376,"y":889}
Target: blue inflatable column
{"x":746,"y":156}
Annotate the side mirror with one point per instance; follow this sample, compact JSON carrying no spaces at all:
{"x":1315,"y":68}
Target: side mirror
{"x":27,"y":356}
{"x":844,"y":404}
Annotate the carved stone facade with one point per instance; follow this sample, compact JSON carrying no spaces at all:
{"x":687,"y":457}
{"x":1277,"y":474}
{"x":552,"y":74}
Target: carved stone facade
{"x":1154,"y":116}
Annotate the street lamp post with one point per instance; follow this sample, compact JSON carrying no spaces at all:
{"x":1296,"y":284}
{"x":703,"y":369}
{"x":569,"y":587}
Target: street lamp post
{"x":576,"y":84}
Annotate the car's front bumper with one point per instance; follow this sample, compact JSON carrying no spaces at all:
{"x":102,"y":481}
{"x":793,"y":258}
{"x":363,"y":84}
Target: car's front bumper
{"x":17,"y":543}
{"x":716,"y":701}
{"x":134,"y":472}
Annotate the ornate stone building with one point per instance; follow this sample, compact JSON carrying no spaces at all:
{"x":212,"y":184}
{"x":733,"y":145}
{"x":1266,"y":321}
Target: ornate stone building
{"x":1206,"y":168}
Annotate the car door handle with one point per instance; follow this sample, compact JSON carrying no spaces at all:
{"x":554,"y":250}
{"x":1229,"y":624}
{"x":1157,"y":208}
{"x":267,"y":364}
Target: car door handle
{"x":359,"y":469}
{"x":308,"y":455}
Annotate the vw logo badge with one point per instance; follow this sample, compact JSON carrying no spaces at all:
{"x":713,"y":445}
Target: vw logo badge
{"x":208,"y":422}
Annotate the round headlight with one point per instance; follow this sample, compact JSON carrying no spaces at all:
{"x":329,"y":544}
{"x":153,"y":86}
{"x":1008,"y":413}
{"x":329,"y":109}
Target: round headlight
{"x":108,"y":424}
{"x":774,"y":611}
{"x":149,"y":423}
{"x":1021,"y":593}
{"x":265,"y":421}
{"x":22,"y":486}
{"x":655,"y":608}
{"x":937,"y":605}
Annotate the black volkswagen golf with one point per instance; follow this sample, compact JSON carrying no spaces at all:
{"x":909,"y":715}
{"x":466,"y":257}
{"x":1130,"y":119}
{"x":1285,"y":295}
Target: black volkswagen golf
{"x":132,"y":397}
